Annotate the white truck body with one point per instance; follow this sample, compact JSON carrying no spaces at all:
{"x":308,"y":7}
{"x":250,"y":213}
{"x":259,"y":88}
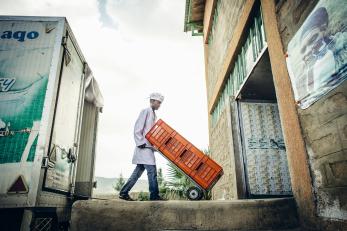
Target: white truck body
{"x":49,"y":106}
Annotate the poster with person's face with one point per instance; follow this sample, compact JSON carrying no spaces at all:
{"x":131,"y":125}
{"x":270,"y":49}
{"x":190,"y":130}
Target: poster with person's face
{"x":317,"y":54}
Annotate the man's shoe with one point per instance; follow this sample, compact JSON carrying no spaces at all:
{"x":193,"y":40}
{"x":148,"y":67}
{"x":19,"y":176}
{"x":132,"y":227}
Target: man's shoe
{"x":126,"y":197}
{"x":158,"y":199}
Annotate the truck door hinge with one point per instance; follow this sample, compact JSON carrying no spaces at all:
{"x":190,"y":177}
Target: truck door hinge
{"x":85,"y":67}
{"x":44,"y":162}
{"x":64,"y":41}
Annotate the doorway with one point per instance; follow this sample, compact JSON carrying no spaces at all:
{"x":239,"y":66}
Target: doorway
{"x":263,"y":150}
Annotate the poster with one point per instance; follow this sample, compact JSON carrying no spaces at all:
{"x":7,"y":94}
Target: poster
{"x":317,"y":54}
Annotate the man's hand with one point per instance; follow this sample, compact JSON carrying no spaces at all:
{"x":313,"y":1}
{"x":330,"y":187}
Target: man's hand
{"x":142,"y":146}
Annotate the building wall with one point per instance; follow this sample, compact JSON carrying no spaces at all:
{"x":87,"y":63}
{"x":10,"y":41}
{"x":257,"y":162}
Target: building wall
{"x":221,"y":141}
{"x":324,"y":126}
{"x":222,"y":29}
{"x":221,"y":147}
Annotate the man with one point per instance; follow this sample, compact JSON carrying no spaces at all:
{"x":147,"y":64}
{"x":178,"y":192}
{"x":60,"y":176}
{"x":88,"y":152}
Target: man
{"x":324,"y":54}
{"x":144,"y":153}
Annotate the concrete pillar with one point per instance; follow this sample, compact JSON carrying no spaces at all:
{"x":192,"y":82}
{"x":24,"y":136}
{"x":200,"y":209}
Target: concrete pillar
{"x":296,"y":152}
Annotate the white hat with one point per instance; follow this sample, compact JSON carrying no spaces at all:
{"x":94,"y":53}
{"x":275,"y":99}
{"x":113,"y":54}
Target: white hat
{"x":157,"y":96}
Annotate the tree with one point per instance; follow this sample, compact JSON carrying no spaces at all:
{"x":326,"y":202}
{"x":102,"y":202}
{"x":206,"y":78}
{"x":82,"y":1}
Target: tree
{"x":143,"y":196}
{"x":119,"y":182}
{"x":161,"y":183}
{"x":207,"y":151}
{"x":160,"y":177}
{"x":177,"y":183}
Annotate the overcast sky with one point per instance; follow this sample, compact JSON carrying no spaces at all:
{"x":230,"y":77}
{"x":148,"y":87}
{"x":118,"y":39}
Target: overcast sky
{"x":134,"y":47}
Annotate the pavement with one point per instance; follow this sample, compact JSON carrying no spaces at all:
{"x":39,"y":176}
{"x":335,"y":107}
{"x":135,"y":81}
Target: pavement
{"x":260,"y":214}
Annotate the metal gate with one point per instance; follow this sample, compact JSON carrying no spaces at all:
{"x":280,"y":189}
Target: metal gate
{"x":264,"y":151}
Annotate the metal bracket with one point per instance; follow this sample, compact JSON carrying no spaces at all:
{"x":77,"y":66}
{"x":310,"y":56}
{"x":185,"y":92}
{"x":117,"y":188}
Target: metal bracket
{"x":64,"y":41}
{"x":44,"y":162}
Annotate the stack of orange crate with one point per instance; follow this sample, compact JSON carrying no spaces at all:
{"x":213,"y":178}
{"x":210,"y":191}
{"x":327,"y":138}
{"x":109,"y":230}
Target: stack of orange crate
{"x":193,"y":162}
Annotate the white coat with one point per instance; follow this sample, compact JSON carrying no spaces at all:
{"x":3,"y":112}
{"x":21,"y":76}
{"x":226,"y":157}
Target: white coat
{"x":143,"y":124}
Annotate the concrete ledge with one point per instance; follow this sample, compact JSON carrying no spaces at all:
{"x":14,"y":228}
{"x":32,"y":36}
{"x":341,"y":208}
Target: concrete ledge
{"x":268,"y":214}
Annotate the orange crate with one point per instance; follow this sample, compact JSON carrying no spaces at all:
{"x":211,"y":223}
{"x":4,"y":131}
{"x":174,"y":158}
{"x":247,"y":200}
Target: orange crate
{"x":194,"y":163}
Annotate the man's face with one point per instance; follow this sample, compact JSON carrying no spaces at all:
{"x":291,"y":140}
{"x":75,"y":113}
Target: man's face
{"x":155,"y":104}
{"x":311,"y":44}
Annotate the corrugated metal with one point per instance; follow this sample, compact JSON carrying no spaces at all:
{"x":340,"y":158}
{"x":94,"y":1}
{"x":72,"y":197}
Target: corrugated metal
{"x":26,"y":49}
{"x":86,"y":156}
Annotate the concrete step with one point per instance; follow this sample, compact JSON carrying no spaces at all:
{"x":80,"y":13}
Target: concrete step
{"x":264,"y":214}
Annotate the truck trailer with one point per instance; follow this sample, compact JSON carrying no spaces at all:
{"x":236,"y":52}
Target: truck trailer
{"x":49,"y":109}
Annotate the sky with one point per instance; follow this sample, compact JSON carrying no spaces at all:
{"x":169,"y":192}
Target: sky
{"x":134,"y":48}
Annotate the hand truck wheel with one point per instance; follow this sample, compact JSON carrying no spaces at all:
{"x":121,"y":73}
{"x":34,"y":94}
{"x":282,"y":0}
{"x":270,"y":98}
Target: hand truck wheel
{"x":194,"y":193}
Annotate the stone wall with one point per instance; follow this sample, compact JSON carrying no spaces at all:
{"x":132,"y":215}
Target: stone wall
{"x":324,"y":126}
{"x":221,"y":147}
{"x":228,"y":14}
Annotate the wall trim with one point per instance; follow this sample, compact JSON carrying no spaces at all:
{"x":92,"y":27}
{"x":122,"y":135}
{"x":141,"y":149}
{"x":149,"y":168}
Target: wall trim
{"x":210,"y":6}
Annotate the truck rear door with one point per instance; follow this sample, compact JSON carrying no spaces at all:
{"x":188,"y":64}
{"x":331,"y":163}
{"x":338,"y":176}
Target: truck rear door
{"x":64,"y":135}
{"x":86,"y":154}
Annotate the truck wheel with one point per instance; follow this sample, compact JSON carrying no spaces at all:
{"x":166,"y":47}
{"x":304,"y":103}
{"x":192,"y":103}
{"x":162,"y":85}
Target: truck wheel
{"x":194,"y":193}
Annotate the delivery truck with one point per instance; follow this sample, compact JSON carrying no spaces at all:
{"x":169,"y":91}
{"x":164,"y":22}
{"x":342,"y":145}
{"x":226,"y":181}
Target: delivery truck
{"x":49,"y":109}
